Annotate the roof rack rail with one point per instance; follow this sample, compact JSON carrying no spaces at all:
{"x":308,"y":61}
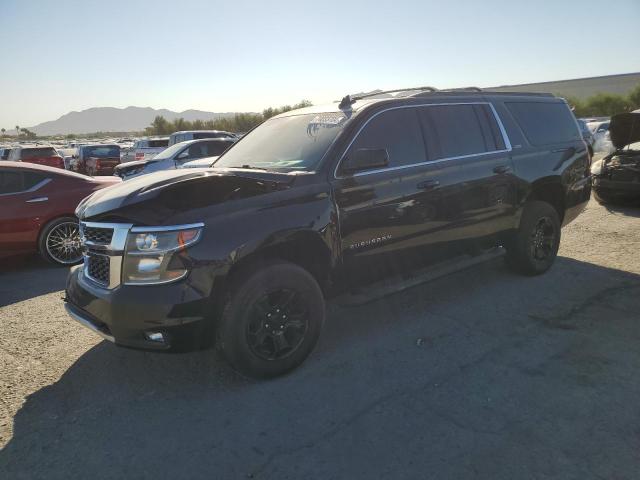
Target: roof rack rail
{"x":373,"y":94}
{"x":464,"y":89}
{"x":453,"y":90}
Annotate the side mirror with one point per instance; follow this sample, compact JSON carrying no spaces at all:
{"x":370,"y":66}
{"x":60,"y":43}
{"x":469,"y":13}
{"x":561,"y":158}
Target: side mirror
{"x":365,"y":159}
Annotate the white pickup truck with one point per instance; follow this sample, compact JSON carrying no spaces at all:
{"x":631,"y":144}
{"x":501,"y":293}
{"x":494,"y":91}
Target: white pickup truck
{"x":145,"y":149}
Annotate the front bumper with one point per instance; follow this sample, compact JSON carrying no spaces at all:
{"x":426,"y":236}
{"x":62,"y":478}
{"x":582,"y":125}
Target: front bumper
{"x":611,"y":188}
{"x":126,"y":315}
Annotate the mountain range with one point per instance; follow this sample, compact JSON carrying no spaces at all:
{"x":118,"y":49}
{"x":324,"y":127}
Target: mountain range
{"x":109,"y":119}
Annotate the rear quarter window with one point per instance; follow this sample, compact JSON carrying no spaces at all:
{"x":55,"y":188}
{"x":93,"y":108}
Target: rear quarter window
{"x":545,"y":123}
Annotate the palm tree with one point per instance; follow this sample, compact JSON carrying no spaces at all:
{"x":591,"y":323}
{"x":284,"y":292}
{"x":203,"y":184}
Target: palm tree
{"x":18,"y":131}
{"x":2,"y":130}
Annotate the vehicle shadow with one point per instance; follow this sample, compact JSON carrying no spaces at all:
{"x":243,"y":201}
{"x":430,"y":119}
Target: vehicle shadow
{"x":629,"y":209}
{"x":40,"y":276}
{"x":362,"y":400}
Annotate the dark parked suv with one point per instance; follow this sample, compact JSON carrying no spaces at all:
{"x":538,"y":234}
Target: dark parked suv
{"x":320,"y":201}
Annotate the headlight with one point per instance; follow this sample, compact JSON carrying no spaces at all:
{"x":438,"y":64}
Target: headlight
{"x":596,"y":168}
{"x":150,"y":251}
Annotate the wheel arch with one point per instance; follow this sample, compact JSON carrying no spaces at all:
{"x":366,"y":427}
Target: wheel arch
{"x":304,"y":248}
{"x":551,"y":191}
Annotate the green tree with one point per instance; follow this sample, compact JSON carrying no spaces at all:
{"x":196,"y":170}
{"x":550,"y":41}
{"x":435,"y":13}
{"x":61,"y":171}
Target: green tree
{"x":606,"y":104}
{"x":28,"y":133}
{"x":576,"y":105}
{"x":271,"y":112}
{"x":240,"y":122}
{"x":634,"y":98}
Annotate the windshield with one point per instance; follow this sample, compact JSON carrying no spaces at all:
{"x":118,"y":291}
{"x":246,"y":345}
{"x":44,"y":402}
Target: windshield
{"x":288,"y":143}
{"x":169,"y":152}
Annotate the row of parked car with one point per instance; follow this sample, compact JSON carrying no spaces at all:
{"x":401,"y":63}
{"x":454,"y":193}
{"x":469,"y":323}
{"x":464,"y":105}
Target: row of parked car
{"x":40,"y":186}
{"x":180,"y":150}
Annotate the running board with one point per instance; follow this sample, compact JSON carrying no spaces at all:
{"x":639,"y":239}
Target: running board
{"x":400,"y":283}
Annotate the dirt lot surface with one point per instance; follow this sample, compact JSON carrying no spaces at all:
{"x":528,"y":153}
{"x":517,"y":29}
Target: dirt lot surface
{"x":481,"y":374}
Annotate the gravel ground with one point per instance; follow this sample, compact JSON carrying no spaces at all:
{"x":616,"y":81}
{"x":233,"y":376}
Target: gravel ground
{"x":480,"y":374}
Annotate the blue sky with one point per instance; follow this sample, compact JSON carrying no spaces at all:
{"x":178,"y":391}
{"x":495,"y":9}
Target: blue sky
{"x":58,"y":56}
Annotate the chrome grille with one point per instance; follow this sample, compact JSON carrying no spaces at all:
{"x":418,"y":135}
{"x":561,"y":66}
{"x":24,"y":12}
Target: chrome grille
{"x":98,"y":235}
{"x":104,"y":245}
{"x":98,"y":268}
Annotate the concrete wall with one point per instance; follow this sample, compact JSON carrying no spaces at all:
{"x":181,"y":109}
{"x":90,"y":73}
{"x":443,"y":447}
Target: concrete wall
{"x":578,"y":88}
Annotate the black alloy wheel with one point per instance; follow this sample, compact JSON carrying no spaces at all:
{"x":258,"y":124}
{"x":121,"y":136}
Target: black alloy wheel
{"x":543,"y":239}
{"x":271,"y":319}
{"x":278,"y":324}
{"x":532,"y":249}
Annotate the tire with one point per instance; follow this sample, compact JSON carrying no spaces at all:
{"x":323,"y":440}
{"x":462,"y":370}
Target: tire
{"x":534,"y":246}
{"x":65,"y":230}
{"x":271,"y":320}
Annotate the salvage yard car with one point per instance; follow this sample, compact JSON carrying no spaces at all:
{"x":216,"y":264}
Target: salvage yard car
{"x":175,"y":156}
{"x":321,"y":201}
{"x":38,"y":154}
{"x":37,"y":213}
{"x":145,"y":149}
{"x":186,"y":135}
{"x":96,"y":159}
{"x":616,"y":178}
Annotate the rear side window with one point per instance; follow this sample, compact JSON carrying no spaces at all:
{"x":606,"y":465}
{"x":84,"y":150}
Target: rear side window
{"x":197,"y":151}
{"x":28,"y":153}
{"x":545,"y":123}
{"x":216,"y":148}
{"x":397,"y":131}
{"x":459,"y":130}
{"x":158,"y":143}
{"x":10,"y":182}
{"x":15,"y":182}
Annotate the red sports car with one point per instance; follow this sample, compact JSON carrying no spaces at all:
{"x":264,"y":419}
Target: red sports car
{"x":37,"y":205}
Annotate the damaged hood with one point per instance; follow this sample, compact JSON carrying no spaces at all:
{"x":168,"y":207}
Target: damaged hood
{"x":624,"y":129}
{"x":183,"y":189}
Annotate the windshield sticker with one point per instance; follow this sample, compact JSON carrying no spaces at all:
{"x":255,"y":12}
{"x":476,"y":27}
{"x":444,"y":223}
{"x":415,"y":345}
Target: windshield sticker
{"x":324,"y":120}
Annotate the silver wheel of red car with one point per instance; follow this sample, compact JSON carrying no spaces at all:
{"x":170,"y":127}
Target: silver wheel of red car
{"x":62,"y":242}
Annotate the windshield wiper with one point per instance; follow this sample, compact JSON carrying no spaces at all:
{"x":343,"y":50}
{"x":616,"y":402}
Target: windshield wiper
{"x":251,"y":167}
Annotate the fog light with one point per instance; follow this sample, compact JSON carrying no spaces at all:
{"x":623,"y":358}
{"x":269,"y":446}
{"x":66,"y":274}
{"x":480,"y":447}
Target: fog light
{"x":154,"y":337}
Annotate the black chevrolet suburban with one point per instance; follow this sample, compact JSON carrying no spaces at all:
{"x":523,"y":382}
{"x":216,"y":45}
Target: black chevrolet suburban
{"x":321,"y":201}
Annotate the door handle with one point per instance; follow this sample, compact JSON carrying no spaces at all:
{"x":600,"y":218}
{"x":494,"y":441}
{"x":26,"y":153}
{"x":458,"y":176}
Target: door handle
{"x":501,"y":169}
{"x":428,"y":184}
{"x":37,"y":200}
